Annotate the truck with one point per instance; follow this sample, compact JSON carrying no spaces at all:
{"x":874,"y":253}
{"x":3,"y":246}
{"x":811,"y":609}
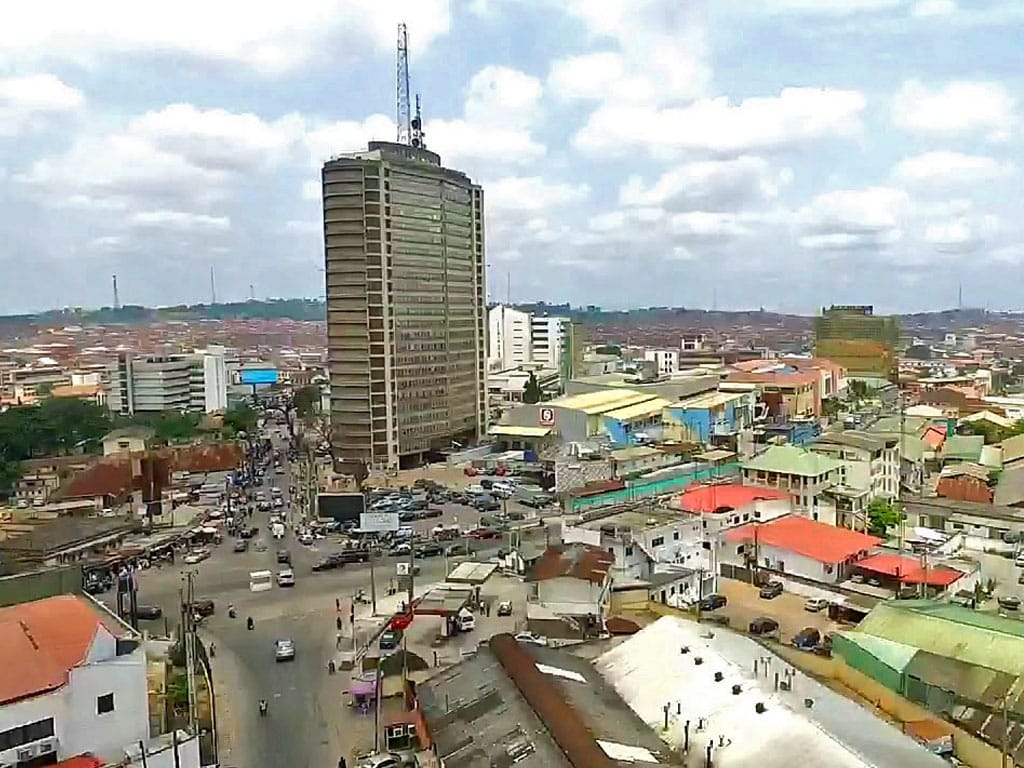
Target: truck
{"x":277,"y":529}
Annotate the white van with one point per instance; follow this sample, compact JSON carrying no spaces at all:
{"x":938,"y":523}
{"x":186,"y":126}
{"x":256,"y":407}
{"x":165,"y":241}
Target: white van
{"x":465,"y":620}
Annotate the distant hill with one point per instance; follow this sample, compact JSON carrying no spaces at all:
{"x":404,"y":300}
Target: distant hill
{"x":272,"y":309}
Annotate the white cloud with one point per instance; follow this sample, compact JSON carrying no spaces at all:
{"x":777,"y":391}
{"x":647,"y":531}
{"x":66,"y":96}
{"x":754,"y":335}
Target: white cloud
{"x":950,"y":169}
{"x":531,"y":193}
{"x":962,"y":233}
{"x":795,"y":116}
{"x":932,"y":8}
{"x":960,"y":108}
{"x":853,"y":218}
{"x":811,"y":7}
{"x":502,"y":96}
{"x":181,"y":221}
{"x":269,"y":37}
{"x":27,"y":98}
{"x":324,"y":140}
{"x":708,"y":185}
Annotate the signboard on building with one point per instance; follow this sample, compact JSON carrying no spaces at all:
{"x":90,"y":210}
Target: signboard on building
{"x":402,"y":569}
{"x":343,"y":507}
{"x":379,"y":522}
{"x":254,"y":376}
{"x":547,"y":417}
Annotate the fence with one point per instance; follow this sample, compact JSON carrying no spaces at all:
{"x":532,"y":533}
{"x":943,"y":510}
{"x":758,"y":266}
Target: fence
{"x":652,"y":488}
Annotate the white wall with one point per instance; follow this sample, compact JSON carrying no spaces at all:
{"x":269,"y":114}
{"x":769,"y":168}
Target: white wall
{"x":509,"y":336}
{"x":215,"y":383}
{"x":571,"y":596}
{"x":77,"y":726}
{"x":665,"y":360}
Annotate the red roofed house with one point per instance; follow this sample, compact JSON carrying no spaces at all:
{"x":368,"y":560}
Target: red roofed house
{"x":72,"y":681}
{"x":895,"y":571}
{"x":731,"y":505}
{"x":799,"y":546}
{"x":573,"y":580}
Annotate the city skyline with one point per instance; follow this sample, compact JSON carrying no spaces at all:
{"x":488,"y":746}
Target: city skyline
{"x":776,"y":154}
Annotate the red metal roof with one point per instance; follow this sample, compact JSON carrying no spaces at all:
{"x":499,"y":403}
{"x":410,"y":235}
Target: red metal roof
{"x":574,"y":561}
{"x":80,"y":761}
{"x":710,"y":498}
{"x":818,"y":541}
{"x":909,"y":571}
{"x":43,"y":641}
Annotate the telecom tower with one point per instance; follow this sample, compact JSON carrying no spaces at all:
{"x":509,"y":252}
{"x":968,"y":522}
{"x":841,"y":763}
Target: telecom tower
{"x":410,"y":128}
{"x":402,"y":116}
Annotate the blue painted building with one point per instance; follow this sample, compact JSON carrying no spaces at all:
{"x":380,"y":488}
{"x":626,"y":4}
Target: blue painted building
{"x":707,"y":416}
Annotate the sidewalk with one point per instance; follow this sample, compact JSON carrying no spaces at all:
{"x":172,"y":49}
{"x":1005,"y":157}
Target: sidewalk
{"x":368,"y":625}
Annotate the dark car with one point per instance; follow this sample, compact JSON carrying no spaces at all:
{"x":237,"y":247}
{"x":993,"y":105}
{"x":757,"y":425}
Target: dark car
{"x":390,"y":639}
{"x":148,"y":612}
{"x":459,"y":549}
{"x":486,"y":504}
{"x":328,"y":563}
{"x":430,"y":513}
{"x":763,"y":626}
{"x":203,"y":607}
{"x":807,"y":638}
{"x":771,"y":590}
{"x":284,"y":557}
{"x":429,"y":549}
{"x":242,"y":545}
{"x":712,"y":602}
{"x":1009,"y":602}
{"x":249,"y":533}
{"x":407,"y":516}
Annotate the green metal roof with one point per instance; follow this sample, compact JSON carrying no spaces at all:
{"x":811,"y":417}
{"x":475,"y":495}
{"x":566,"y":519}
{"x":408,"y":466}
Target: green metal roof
{"x":790,"y":460}
{"x":969,"y":681}
{"x":951,"y":631}
{"x":912,"y":425}
{"x":894,"y":655}
{"x":963,"y":447}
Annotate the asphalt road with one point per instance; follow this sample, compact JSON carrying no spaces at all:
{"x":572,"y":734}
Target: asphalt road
{"x":306,"y":721}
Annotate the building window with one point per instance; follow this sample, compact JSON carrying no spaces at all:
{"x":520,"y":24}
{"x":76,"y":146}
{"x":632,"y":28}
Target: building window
{"x":629,"y":551}
{"x":104,"y":704}
{"x":657,"y":541}
{"x":13,"y":738}
{"x":675,"y":535}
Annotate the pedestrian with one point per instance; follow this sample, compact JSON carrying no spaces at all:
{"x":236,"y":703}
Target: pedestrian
{"x":337,"y":642}
{"x":331,"y":668}
{"x":337,"y":621}
{"x":342,"y":763}
{"x":337,"y":603}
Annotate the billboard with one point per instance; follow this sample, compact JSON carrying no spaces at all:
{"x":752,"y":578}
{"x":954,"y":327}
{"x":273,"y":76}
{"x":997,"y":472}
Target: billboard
{"x":378,"y":522}
{"x":258,"y":376}
{"x":342,"y":507}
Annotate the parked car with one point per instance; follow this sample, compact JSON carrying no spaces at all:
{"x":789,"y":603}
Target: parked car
{"x":816,"y":604}
{"x":203,"y":607}
{"x":505,"y":608}
{"x":241,"y":545}
{"x":712,"y":602}
{"x":771,"y":590}
{"x":530,"y":638}
{"x":429,"y":549}
{"x":284,"y":557}
{"x":286,"y":578}
{"x":148,"y":612}
{"x":390,"y":639}
{"x":1008,"y":602}
{"x":763,"y":626}
{"x":430,"y":513}
{"x":807,"y":638}
{"x":382,"y":760}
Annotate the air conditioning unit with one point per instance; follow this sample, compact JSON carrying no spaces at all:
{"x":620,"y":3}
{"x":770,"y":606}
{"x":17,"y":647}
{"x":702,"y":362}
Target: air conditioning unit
{"x":26,"y":753}
{"x":47,"y":746}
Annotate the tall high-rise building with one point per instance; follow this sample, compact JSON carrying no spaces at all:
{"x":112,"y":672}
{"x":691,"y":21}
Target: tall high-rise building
{"x":857,"y":339}
{"x":194,"y":382}
{"x":406,"y":304}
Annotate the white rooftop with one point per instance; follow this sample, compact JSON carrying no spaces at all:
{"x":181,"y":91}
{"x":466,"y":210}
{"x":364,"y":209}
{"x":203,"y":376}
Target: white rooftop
{"x":651,"y":669}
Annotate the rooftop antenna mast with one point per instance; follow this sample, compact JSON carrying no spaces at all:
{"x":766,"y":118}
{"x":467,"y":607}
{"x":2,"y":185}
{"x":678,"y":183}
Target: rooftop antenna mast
{"x":213,"y":288}
{"x":117,"y":300}
{"x":402,"y":116}
{"x":419,"y":139}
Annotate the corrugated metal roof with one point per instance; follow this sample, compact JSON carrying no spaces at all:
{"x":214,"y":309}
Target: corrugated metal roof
{"x":509,"y":430}
{"x":952,"y":631}
{"x":648,"y":408}
{"x":710,"y":400}
{"x":790,"y":460}
{"x":969,"y":681}
{"x":602,"y":400}
{"x":967,"y":447}
{"x":1013,"y":448}
{"x":894,"y":655}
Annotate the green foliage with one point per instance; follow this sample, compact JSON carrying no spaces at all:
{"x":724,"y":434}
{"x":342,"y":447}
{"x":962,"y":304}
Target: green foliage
{"x":306,"y":401}
{"x":882,"y":516}
{"x":241,"y":417}
{"x":858,"y":390}
{"x":169,"y":426}
{"x":55,"y":427}
{"x":609,"y":349}
{"x":532,"y":392}
{"x":10,"y":473}
{"x":992,"y":433}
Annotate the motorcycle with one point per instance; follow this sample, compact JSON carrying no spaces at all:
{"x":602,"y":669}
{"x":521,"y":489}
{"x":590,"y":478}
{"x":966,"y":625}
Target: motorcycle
{"x":249,"y":623}
{"x":263,"y":708}
{"x":361,"y":598}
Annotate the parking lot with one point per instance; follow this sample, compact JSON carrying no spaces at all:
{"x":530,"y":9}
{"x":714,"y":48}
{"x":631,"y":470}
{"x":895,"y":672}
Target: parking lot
{"x":787,"y":609}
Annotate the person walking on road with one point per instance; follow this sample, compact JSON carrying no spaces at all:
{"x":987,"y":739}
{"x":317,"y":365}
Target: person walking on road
{"x":337,"y":621}
{"x":337,"y":642}
{"x":337,"y":605}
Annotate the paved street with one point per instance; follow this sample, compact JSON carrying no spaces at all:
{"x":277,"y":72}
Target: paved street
{"x":308,"y":723}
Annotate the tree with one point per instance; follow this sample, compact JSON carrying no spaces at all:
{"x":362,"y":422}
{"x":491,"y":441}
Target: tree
{"x":882,"y":516}
{"x":858,"y":389}
{"x":306,"y":401}
{"x":240,"y":418}
{"x":170,"y":426}
{"x":10,"y":473}
{"x":532,"y":392}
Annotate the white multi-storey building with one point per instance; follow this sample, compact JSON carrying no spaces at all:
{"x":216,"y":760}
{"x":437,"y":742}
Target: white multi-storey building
{"x":666,"y":361}
{"x":195,"y":382}
{"x":74,"y":683}
{"x":510,"y":340}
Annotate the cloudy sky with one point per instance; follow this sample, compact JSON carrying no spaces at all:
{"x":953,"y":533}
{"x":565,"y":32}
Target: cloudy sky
{"x":775,"y":153}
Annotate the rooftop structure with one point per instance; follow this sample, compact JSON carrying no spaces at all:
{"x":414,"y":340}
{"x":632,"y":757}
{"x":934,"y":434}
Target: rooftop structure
{"x":857,"y":339}
{"x":817,"y":541}
{"x":791,"y":460}
{"x":707,"y":680}
{"x":714,"y":498}
{"x":576,"y":562}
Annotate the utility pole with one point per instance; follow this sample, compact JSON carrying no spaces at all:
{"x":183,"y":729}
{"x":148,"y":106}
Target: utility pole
{"x":188,"y":628}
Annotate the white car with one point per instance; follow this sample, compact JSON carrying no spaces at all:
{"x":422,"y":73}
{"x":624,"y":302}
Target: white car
{"x":381,"y":760}
{"x":816,"y":604}
{"x":284,"y":650}
{"x":530,"y":638}
{"x":196,"y":556}
{"x":286,"y":578}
